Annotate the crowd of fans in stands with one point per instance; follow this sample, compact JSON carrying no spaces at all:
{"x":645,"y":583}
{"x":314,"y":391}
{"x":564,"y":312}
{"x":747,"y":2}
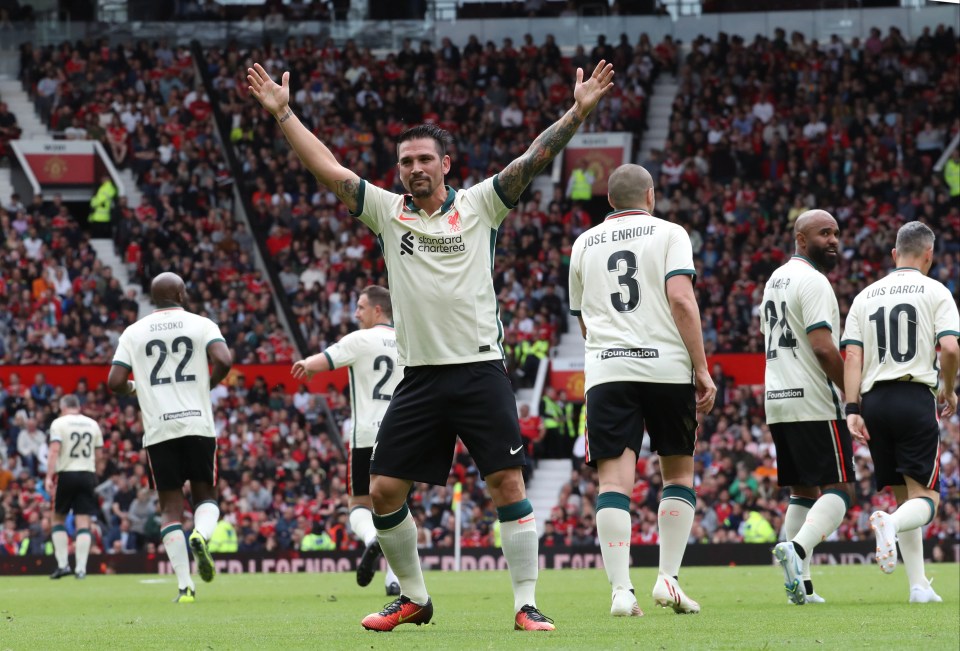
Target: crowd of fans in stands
{"x":143,"y":102}
{"x":760,"y":132}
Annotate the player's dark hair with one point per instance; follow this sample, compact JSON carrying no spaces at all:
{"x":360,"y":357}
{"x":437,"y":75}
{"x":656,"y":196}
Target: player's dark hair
{"x":914,"y":238}
{"x":378,"y":295}
{"x":440,"y":136}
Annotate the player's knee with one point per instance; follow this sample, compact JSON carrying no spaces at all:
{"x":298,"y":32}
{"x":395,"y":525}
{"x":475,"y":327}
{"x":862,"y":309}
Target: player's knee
{"x":506,"y":486}
{"x":386,"y":494}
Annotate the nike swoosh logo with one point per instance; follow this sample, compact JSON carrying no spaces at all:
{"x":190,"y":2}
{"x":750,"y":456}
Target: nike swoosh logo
{"x":525,"y":520}
{"x":401,"y":619}
{"x":406,"y":219}
{"x":512,"y":451}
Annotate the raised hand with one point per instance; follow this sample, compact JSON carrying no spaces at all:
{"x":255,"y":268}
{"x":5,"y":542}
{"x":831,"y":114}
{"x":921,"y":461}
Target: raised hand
{"x":273,"y":97}
{"x":588,"y":93}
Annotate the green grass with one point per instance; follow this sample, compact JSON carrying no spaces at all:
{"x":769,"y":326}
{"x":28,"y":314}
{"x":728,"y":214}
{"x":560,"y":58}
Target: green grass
{"x":743,"y":608}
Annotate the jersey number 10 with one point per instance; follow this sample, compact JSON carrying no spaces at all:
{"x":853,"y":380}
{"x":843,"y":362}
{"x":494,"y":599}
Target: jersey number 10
{"x":893,"y":344}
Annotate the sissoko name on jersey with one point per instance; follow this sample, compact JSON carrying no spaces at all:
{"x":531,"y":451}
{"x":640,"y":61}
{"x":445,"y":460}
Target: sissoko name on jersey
{"x":166,"y":351}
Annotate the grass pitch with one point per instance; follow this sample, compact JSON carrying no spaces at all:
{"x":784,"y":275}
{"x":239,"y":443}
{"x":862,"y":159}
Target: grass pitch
{"x":743,"y":608}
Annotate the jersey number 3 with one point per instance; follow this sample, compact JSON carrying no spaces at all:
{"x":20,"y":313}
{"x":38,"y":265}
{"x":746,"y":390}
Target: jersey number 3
{"x":161,"y":348}
{"x":627,"y":279}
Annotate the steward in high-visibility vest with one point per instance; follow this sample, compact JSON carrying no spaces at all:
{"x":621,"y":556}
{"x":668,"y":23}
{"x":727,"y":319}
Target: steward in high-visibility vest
{"x":951,"y":174}
{"x":580,"y":186}
{"x":224,"y":538}
{"x":317,"y":542}
{"x":756,"y":529}
{"x":102,"y":201}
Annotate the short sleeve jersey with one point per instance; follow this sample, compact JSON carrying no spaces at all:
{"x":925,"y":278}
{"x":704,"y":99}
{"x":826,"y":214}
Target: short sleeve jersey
{"x":371,"y":357}
{"x":440,"y":266}
{"x":898,"y":321}
{"x":79,"y":436}
{"x":797,"y":300}
{"x":618,"y":275}
{"x":167,"y":352}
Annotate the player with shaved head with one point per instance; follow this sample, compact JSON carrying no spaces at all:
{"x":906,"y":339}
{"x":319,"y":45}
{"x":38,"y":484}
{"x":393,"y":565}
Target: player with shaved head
{"x":800,"y":321}
{"x":631,"y":285}
{"x":170,"y":352}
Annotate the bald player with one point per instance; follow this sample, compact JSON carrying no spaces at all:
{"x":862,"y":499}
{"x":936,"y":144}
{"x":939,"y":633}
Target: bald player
{"x":631,"y":286}
{"x":170,"y":352}
{"x":800,"y":322}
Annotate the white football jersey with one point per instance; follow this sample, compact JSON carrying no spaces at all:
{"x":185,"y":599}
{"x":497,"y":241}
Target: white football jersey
{"x":797,"y":300}
{"x":898,"y":321}
{"x":79,"y":437}
{"x":440,"y":267}
{"x":618,"y":275}
{"x":371,"y":356}
{"x":167,"y":352}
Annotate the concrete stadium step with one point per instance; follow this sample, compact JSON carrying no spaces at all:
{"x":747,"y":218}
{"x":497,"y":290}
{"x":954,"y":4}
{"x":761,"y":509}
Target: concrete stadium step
{"x":6,"y":184}
{"x":108,"y":256}
{"x":544,"y":488}
{"x":19,"y":103}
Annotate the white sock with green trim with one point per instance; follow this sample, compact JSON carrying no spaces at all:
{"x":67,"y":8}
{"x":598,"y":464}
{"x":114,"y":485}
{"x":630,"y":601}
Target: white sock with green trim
{"x":613,"y":531}
{"x":176,"y":545}
{"x":911,"y":549}
{"x":913,"y":513}
{"x":398,"y":540}
{"x":674,"y":521}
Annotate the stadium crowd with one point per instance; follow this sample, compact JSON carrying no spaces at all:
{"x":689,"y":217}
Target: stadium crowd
{"x":358,"y":104}
{"x":144,"y":103}
{"x":760,"y":132}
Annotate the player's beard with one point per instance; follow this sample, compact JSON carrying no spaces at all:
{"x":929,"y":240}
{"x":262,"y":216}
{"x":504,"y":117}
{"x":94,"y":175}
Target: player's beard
{"x":421,"y":190}
{"x":825,"y":261}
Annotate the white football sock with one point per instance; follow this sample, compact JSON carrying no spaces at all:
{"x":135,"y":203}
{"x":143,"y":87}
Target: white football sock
{"x":82,"y":550}
{"x":399,"y":545}
{"x":205,"y":518}
{"x":61,"y":544}
{"x":792,"y":522}
{"x":822,"y":520}
{"x":912,"y":514}
{"x":613,"y":530}
{"x":521,"y":547}
{"x":361,"y":523}
{"x":176,"y":545}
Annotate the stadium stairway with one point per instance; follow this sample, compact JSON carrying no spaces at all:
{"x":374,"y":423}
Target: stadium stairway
{"x":18,"y":103}
{"x":658,"y":117}
{"x":544,"y":488}
{"x":108,"y":256}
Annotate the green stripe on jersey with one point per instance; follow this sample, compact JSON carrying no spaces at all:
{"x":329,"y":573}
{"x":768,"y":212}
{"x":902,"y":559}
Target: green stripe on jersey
{"x":821,"y":324}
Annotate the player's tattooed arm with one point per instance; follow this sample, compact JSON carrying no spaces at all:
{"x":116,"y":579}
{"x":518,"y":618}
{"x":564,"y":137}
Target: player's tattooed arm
{"x":348,"y":191}
{"x":586,"y":94}
{"x":516,"y":176}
